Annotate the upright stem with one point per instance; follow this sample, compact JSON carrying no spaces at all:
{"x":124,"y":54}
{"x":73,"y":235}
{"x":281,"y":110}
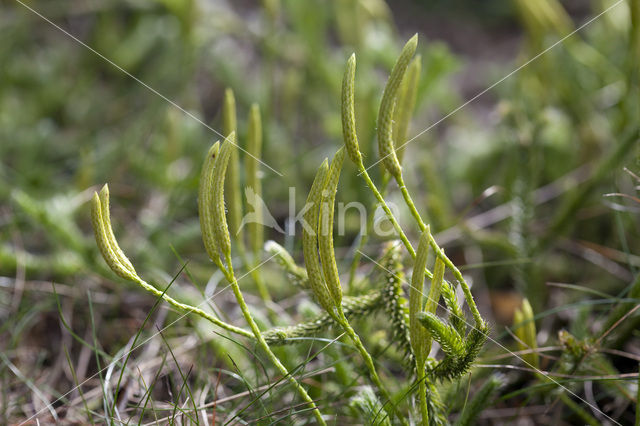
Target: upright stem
{"x":386,"y":209}
{"x":230,"y":276}
{"x":388,"y":404}
{"x":363,"y":238}
{"x":432,"y":242}
{"x":456,"y":272}
{"x":422,"y":392}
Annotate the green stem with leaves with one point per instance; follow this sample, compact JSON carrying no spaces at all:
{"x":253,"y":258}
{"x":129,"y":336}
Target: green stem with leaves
{"x":388,"y":404}
{"x":230,"y":276}
{"x":364,"y":237}
{"x":439,"y":252}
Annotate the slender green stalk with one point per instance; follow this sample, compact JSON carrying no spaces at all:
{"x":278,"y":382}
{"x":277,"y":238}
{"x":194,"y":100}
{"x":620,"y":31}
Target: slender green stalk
{"x":234,"y":204}
{"x":419,"y":334}
{"x":121,"y":265}
{"x":254,"y":147}
{"x":387,"y":210}
{"x":188,"y":308}
{"x":439,"y":252}
{"x":389,"y":405}
{"x":357,"y":255}
{"x":422,"y":395}
{"x":230,"y":276}
{"x":254,"y":184}
{"x":222,"y":237}
{"x":322,"y":223}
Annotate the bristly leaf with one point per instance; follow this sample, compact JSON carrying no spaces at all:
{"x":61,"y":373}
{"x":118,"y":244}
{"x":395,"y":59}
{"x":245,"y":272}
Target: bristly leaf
{"x":446,"y":335}
{"x":205,"y":204}
{"x":325,"y":229}
{"x":394,"y":301}
{"x":348,"y":112}
{"x":310,"y":240}
{"x":456,"y":316}
{"x":452,"y":367}
{"x":436,"y":409}
{"x":353,"y":308}
{"x":367,"y":406}
{"x":386,"y":145}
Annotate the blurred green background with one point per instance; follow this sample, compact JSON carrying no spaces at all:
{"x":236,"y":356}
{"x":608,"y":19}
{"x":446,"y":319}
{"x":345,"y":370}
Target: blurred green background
{"x":512,"y":183}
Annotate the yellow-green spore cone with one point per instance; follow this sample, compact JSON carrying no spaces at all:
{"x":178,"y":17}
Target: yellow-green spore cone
{"x":310,"y":240}
{"x":254,"y":184}
{"x":106,"y":218}
{"x":104,"y":244}
{"x":234,"y":196}
{"x":205,"y":203}
{"x":386,"y":145}
{"x":348,"y":112}
{"x":325,"y":229}
{"x":220,"y":228}
{"x":405,"y":105}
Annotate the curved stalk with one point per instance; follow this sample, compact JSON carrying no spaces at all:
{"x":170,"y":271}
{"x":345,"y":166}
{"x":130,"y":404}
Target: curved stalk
{"x":230,"y":276}
{"x":432,"y":242}
{"x":357,"y":255}
{"x":388,"y":405}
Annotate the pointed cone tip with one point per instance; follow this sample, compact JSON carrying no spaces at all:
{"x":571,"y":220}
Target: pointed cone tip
{"x":412,"y":43}
{"x":104,"y":191}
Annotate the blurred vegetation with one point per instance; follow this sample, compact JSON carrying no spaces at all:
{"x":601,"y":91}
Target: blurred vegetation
{"x":513,"y":185}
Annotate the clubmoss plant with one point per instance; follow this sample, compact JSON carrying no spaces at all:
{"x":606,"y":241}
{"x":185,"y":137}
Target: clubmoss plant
{"x":414,"y":323}
{"x":327,"y":286}
{"x":219,"y":239}
{"x":221,"y":235}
